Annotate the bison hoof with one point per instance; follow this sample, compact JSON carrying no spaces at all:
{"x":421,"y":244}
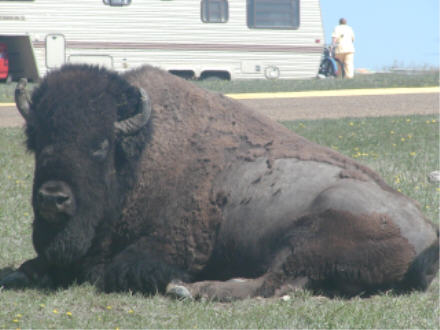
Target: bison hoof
{"x":178,"y":291}
{"x":15,"y":279}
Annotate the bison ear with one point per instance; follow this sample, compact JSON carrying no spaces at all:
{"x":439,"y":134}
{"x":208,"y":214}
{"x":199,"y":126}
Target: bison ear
{"x":23,"y":99}
{"x":136,"y":122}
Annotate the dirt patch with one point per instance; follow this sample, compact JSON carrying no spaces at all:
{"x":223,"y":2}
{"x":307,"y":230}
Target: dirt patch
{"x":346,"y":106}
{"x":10,"y":117}
{"x":313,"y":108}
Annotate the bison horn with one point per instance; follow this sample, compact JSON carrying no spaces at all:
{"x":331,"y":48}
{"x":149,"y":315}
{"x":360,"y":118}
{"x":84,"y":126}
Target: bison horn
{"x":135,"y":123}
{"x":22,"y":98}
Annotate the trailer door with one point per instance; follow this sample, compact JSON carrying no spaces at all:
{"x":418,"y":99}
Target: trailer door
{"x":55,"y":50}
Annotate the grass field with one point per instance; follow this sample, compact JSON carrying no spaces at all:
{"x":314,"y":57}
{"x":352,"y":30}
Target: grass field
{"x":402,"y":149}
{"x":377,"y":80}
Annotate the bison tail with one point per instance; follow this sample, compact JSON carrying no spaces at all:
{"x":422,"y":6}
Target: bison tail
{"x":423,"y":269}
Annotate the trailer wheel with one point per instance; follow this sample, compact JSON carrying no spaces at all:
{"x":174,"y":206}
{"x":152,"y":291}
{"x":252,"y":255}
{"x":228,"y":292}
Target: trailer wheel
{"x":215,"y":75}
{"x":185,"y":74}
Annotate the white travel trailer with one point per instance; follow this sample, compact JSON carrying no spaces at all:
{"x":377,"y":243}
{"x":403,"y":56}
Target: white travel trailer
{"x":229,"y":39}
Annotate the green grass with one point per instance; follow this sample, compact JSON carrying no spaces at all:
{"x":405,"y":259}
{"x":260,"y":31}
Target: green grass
{"x":377,"y":80}
{"x":402,"y":149}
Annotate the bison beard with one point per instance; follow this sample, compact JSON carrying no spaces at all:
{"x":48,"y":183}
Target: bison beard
{"x":204,"y":198}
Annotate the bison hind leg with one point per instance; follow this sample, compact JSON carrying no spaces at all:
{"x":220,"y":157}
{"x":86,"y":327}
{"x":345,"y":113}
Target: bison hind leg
{"x":422,"y":271}
{"x":233,"y":289}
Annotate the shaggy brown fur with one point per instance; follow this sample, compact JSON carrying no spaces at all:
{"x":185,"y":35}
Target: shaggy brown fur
{"x":209,"y":191}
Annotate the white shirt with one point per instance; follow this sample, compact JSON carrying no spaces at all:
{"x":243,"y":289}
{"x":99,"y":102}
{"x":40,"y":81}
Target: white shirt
{"x":344,"y":36}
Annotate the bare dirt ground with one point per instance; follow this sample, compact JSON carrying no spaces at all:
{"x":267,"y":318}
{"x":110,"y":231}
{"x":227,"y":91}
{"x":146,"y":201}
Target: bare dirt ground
{"x":346,"y":106}
{"x":313,"y":108}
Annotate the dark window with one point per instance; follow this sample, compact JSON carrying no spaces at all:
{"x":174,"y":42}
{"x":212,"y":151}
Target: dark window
{"x":273,"y":14}
{"x":118,"y":3}
{"x":214,"y":11}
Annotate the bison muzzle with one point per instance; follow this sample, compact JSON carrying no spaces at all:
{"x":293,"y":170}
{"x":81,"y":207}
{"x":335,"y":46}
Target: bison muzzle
{"x":144,"y":182}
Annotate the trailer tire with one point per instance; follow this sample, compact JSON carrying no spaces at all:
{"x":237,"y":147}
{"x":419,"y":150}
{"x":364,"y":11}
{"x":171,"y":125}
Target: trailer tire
{"x":215,"y":75}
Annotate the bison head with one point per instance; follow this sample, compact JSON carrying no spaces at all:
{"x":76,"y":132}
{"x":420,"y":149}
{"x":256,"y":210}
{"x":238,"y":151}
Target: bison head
{"x":87,"y":128}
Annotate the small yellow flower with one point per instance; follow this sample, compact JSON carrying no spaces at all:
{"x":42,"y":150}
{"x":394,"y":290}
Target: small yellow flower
{"x":18,"y":315}
{"x":412,"y":154}
{"x":131,"y":311}
{"x":428,"y":122}
{"x":340,"y":137}
{"x":351,"y":123}
{"x":42,"y":305}
{"x":394,"y":145}
{"x":392,"y":132}
{"x":68,"y":313}
{"x":438,"y":189}
{"x":26,"y":214}
{"x":55,"y":311}
{"x":15,"y":321}
{"x":410,"y":136}
{"x":402,"y":139}
{"x":408,"y":120}
{"x":109,"y":307}
{"x":433,"y":121}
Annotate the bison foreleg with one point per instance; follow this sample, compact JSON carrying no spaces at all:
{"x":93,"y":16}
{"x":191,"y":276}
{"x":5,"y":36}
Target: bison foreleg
{"x":138,"y":271}
{"x":32,"y":273}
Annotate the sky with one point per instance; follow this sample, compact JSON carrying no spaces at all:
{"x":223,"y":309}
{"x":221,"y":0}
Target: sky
{"x":403,"y":33}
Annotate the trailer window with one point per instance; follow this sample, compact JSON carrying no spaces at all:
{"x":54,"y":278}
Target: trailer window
{"x":214,"y":11}
{"x":118,"y":3}
{"x":273,"y":14}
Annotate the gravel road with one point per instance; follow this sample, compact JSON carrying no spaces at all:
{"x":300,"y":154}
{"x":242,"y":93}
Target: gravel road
{"x":314,"y":107}
{"x":346,"y":106}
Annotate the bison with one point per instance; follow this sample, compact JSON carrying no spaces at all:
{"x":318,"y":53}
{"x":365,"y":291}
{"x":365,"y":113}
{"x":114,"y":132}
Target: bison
{"x":146,"y":183}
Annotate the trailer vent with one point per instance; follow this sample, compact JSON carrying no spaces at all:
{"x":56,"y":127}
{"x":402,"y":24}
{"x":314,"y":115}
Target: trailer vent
{"x":117,"y":3}
{"x":269,"y":14}
{"x":214,"y":11}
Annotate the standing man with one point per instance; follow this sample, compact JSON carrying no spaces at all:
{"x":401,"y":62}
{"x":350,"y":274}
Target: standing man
{"x":342,"y":40}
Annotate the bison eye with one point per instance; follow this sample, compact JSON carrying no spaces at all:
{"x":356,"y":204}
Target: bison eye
{"x":101,"y":152}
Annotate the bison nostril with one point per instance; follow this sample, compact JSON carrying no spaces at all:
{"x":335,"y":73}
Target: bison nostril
{"x":55,"y":197}
{"x":61,"y":199}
